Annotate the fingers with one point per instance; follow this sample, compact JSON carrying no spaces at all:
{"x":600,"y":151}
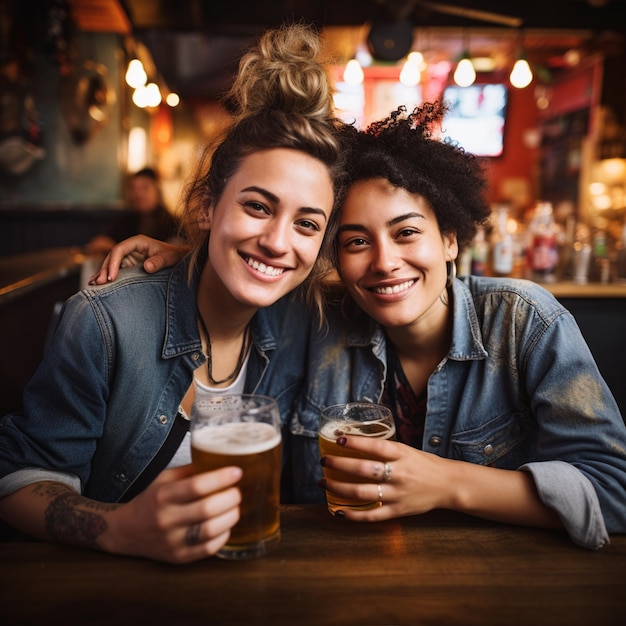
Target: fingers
{"x":373,"y":447}
{"x":154,"y":254}
{"x":181,"y":485}
{"x":131,"y":251}
{"x":156,"y":262}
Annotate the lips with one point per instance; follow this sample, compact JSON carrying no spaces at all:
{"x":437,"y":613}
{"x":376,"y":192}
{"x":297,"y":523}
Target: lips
{"x":390,"y":290}
{"x":268,"y":270}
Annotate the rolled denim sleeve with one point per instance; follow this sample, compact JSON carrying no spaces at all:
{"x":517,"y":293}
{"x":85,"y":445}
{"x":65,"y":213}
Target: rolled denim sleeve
{"x":28,"y":476}
{"x":581,"y":448}
{"x":570,"y":493}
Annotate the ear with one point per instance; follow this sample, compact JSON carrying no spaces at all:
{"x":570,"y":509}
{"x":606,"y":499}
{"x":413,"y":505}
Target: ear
{"x":204,"y":220}
{"x":451,"y":246}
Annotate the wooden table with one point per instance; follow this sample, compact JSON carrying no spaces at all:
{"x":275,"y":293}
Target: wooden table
{"x":438,"y":568}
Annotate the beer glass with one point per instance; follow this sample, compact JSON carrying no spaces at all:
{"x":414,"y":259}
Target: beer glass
{"x":354,"y":418}
{"x":243,"y":430}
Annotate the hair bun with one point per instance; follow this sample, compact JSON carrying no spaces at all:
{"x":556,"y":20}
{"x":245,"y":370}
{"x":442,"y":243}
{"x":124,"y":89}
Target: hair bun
{"x":282,"y":73}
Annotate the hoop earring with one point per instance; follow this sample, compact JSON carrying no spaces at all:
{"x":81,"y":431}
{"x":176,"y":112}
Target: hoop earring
{"x":451,"y":272}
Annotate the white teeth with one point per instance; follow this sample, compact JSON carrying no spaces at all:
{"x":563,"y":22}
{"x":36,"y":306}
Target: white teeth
{"x":265,"y":269}
{"x":387,"y":291}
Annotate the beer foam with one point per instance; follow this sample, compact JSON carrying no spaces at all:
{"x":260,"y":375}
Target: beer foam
{"x":373,"y":428}
{"x":236,"y":438}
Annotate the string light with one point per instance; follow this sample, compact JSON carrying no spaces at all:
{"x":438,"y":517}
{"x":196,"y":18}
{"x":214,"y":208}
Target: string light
{"x":521,"y":74}
{"x":135,"y":74}
{"x":412,"y":68}
{"x":353,"y":74}
{"x":464,"y":74}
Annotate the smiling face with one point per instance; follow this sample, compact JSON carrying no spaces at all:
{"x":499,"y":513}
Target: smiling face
{"x":268,"y":226}
{"x":392,"y":255}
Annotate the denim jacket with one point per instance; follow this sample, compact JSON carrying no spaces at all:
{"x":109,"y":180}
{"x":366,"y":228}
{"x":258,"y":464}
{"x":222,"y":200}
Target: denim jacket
{"x":519,"y":389}
{"x":106,"y":394}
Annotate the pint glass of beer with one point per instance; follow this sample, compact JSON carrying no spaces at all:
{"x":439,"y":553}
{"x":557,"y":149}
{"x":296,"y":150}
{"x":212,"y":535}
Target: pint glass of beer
{"x":243,"y":430}
{"x":354,"y":418}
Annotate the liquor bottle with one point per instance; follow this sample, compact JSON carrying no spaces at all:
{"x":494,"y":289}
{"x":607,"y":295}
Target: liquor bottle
{"x":620,"y":270}
{"x":480,"y":253}
{"x":502,"y":244}
{"x":601,"y":265}
{"x":543,"y":253}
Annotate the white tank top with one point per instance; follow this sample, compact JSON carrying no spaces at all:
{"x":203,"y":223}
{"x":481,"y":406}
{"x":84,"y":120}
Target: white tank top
{"x":204,"y":392}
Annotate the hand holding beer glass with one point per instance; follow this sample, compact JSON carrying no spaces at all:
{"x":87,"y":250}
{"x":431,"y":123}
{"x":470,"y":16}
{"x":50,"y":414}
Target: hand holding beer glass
{"x":243,"y":431}
{"x":354,"y":418}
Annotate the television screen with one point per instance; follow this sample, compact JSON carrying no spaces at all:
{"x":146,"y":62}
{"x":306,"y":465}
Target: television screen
{"x":476,"y":118}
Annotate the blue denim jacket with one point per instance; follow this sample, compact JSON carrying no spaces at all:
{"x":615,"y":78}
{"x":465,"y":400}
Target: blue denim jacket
{"x":105,"y":396}
{"x":518,"y":389}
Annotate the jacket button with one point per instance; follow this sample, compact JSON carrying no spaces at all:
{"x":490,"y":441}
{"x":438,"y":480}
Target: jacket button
{"x":435,"y":441}
{"x":121,"y":476}
{"x":488,"y":449}
{"x":195,"y":356}
{"x":163,"y":419}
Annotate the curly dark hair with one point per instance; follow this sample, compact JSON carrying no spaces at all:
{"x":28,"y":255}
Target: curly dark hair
{"x":402,"y":149}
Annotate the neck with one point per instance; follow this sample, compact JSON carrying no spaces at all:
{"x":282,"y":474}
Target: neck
{"x":429,"y":337}
{"x":225,"y":318}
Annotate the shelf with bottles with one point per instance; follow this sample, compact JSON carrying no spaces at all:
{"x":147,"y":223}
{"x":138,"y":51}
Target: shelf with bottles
{"x":547,"y":251}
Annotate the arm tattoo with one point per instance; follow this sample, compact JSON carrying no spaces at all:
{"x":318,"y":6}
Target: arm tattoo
{"x":72,"y":518}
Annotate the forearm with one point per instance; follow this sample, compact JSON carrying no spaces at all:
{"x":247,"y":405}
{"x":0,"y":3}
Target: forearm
{"x":54,"y":512}
{"x":501,"y":495}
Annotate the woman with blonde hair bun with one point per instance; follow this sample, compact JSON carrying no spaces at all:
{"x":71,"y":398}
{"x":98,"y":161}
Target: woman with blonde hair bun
{"x":99,"y":456}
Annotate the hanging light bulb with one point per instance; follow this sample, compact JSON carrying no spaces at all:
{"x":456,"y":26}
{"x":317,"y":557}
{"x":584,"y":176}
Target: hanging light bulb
{"x":411,"y":70}
{"x":521,"y":74}
{"x":464,"y":74}
{"x":147,"y":96}
{"x":153,"y":95}
{"x":353,"y":74}
{"x":135,"y":74}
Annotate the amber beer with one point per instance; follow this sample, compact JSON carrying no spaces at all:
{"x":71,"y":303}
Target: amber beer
{"x":255,"y":446}
{"x":355,"y":418}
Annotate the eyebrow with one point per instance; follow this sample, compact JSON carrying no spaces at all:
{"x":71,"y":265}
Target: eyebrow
{"x":393,"y":222}
{"x":272,"y":197}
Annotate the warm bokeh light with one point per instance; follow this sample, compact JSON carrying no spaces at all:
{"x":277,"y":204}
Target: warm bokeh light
{"x":353,"y":74}
{"x":172,"y":99}
{"x":135,"y":74}
{"x":464,"y":74}
{"x":521,"y":74}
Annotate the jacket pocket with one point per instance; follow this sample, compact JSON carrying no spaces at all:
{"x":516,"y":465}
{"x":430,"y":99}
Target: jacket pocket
{"x":492,"y":442}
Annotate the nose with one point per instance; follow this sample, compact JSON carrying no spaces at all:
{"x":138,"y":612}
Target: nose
{"x":384,"y":258}
{"x":275,"y":238}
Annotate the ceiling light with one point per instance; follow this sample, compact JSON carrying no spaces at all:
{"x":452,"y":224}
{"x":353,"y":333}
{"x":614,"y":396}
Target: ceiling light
{"x":521,"y":74}
{"x":135,"y":74}
{"x":353,"y":74}
{"x":412,"y":69}
{"x":464,"y":74}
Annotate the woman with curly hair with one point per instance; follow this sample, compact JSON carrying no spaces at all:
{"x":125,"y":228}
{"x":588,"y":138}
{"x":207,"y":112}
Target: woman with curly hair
{"x":499,"y":407}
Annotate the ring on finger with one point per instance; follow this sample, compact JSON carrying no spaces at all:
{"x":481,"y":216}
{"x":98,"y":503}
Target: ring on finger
{"x":192,"y":535}
{"x":387,"y":473}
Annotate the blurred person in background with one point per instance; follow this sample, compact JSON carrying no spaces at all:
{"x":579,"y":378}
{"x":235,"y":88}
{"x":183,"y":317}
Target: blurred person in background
{"x":146,"y":214}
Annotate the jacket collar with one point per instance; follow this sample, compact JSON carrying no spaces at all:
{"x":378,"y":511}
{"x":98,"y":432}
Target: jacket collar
{"x":467,"y":341}
{"x":182,"y":335}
